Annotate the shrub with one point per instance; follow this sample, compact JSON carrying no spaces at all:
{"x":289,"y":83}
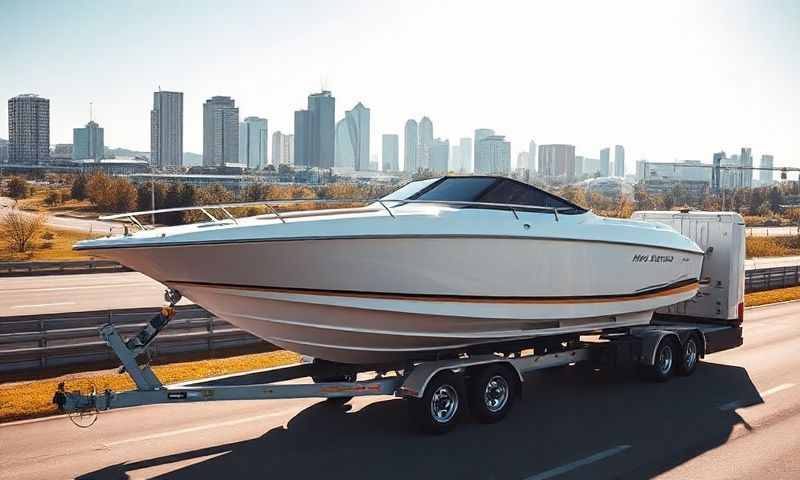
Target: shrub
{"x":19,"y":229}
{"x":54,"y":197}
{"x":17,"y":188}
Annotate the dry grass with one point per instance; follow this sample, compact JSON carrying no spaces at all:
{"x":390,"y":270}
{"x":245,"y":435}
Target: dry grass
{"x":57,"y":248}
{"x":772,"y":246}
{"x":34,"y":399}
{"x":772,"y":296}
{"x":36,"y":203}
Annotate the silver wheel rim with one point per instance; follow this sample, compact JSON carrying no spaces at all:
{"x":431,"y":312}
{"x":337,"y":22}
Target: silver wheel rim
{"x":495,"y":395}
{"x":444,"y":403}
{"x":691,"y":354}
{"x":665,"y":359}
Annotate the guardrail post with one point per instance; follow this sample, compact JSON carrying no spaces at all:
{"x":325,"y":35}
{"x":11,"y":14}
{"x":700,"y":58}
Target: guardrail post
{"x":43,"y":343}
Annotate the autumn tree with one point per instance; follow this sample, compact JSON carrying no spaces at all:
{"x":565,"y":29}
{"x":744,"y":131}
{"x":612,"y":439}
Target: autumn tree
{"x":20,"y":229}
{"x":78,"y":190}
{"x":17,"y":188}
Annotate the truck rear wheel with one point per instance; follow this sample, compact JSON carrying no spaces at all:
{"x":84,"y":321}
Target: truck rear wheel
{"x":690,"y":356}
{"x":491,"y":393}
{"x":668,"y":353}
{"x":441,"y":404}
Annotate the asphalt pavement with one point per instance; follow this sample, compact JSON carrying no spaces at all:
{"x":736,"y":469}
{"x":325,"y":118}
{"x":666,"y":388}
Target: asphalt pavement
{"x":736,"y":417}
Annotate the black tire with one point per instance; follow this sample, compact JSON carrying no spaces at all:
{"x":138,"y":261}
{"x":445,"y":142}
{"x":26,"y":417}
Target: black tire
{"x":491,"y":392}
{"x":667,"y":355}
{"x":690,"y":356}
{"x":440,"y":407}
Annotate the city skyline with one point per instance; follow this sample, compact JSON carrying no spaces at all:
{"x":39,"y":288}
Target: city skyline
{"x":663,"y":85}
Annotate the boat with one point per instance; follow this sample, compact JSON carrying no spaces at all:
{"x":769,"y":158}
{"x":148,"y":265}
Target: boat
{"x":439,"y":265}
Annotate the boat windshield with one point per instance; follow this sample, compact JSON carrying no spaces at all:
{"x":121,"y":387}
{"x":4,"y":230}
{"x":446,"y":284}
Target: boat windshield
{"x":497,"y":190}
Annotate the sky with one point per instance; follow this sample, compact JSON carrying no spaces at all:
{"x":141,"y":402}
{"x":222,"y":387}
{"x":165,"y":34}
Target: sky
{"x":670,"y":80}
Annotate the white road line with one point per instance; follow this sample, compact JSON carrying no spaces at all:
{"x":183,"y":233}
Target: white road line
{"x":200,"y":428}
{"x":579,"y":463}
{"x":766,"y":393}
{"x":43,"y":305}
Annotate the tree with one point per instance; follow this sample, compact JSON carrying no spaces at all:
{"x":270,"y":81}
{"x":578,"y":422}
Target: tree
{"x":17,"y":188}
{"x":54,"y":197}
{"x":775,"y":199}
{"x":99,"y":192}
{"x":78,"y":190}
{"x":124,"y":195}
{"x":20,"y":229}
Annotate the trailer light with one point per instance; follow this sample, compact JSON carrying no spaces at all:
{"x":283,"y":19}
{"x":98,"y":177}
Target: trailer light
{"x":740,"y":312}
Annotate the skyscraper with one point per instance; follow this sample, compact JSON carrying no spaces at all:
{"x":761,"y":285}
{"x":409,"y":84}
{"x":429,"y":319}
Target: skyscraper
{"x":282,"y":149}
{"x":425,"y":143}
{"x":344,"y":157}
{"x":522,"y":160}
{"x":494,"y":153}
{"x":3,"y":151}
{"x":455,"y":159}
{"x":390,"y":157}
{"x":532,"y":151}
{"x":357,"y":129}
{"x":605,"y":161}
{"x":28,"y":129}
{"x":315,"y":132}
{"x":166,"y":129}
{"x":746,"y":160}
{"x":410,"y":140}
{"x":765,"y":176}
{"x":220,"y":131}
{"x":465,"y":148}
{"x":253,"y":142}
{"x":87,"y":142}
{"x":482,"y":164}
{"x":440,"y":156}
{"x":557,"y":160}
{"x":619,"y":161}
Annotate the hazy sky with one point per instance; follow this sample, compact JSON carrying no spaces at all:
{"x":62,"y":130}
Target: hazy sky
{"x":668,"y":80}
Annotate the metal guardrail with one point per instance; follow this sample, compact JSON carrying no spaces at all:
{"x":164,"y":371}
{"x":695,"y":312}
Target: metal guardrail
{"x":760,"y":279}
{"x":14,"y":269}
{"x":40,"y":341}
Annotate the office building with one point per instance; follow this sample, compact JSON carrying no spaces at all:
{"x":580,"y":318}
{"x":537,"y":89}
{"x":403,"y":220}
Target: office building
{"x":465,"y":147}
{"x":482,"y":165}
{"x":87,"y":142}
{"x":619,"y":161}
{"x":557,"y":161}
{"x":282,"y":149}
{"x":522,"y":161}
{"x":605,"y":160}
{"x":746,"y":161}
{"x":410,"y":141}
{"x":315,"y":132}
{"x":532,"y":151}
{"x":28,"y":129}
{"x":220,"y":131}
{"x":4,"y":151}
{"x":390,"y":156}
{"x":425,"y":143}
{"x":765,"y":176}
{"x":494,"y":154}
{"x":355,"y":147}
{"x":455,"y":159}
{"x":440,"y":156}
{"x":253,"y":142}
{"x":344,"y":157}
{"x":166,"y":130}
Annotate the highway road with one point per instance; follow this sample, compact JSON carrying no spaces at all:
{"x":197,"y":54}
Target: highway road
{"x":772,"y":231}
{"x":769,"y":262}
{"x":69,"y":223}
{"x":76,"y":293}
{"x":736,"y":417}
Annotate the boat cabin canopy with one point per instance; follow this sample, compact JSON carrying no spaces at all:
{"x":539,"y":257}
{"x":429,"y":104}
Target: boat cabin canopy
{"x":482,"y":189}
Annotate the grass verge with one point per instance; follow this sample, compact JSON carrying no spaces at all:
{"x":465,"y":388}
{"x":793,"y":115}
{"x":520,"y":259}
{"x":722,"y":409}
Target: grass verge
{"x":22,"y":400}
{"x":772,"y":296}
{"x":53,"y":244}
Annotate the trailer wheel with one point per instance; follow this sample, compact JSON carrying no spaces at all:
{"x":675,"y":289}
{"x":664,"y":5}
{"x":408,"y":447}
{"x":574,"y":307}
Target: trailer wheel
{"x":491,"y":393}
{"x":441,"y":404}
{"x":690,"y":356}
{"x":667,"y":355}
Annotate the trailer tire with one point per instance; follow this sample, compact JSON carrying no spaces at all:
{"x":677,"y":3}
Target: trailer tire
{"x":491,"y":392}
{"x":440,"y":407}
{"x":690,"y":356}
{"x":667,"y":355}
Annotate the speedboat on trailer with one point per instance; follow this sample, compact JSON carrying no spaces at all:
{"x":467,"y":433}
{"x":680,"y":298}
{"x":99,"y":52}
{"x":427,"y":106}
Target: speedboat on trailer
{"x":439,"y":265}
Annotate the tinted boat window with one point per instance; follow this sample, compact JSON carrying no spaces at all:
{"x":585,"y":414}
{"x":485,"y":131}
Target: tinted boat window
{"x":509,"y":191}
{"x":458,"y":189}
{"x":410,"y":189}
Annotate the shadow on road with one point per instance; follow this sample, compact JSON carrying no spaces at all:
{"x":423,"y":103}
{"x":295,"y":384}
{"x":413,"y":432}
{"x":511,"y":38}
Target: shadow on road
{"x":565,"y":415}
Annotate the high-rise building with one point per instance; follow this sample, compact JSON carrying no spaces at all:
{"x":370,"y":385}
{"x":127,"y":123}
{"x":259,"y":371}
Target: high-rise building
{"x":28,"y":129}
{"x":344,"y":157}
{"x":410,"y":140}
{"x":605,"y":160}
{"x":465,"y":147}
{"x":482,"y":165}
{"x":532,"y":150}
{"x":220,"y":131}
{"x":282,"y":149}
{"x":87,"y":142}
{"x":746,"y":160}
{"x":166,"y":130}
{"x":4,"y":151}
{"x":557,"y":161}
{"x":522,"y":160}
{"x":455,"y":159}
{"x":253,"y":142}
{"x":494,"y":154}
{"x":356,"y":127}
{"x":765,"y":176}
{"x":390,"y":157}
{"x":315,"y":132}
{"x":425,"y":143}
{"x":619,"y":161}
{"x":440,"y":156}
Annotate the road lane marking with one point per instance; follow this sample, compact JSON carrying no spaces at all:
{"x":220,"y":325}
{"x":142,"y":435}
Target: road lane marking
{"x":43,"y":305}
{"x":199,"y":428}
{"x":553,"y":472}
{"x":766,"y":393}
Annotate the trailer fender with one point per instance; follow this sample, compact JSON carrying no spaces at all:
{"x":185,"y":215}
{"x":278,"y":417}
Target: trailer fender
{"x":418,"y":378}
{"x":650,"y":340}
